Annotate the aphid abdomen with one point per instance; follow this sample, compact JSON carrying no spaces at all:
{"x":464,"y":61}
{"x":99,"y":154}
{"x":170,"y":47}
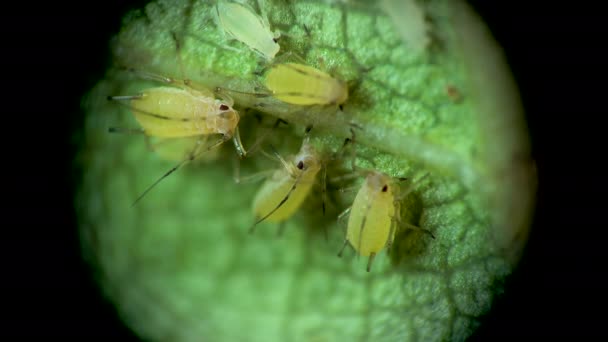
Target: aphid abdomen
{"x":172,"y":112}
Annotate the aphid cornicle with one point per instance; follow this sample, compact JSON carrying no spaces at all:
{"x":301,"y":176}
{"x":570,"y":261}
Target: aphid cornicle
{"x":304,"y":85}
{"x":374,"y":216}
{"x":247,"y":27}
{"x":283,"y":194}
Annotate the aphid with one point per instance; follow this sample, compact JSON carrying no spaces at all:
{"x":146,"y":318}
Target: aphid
{"x":283,"y":194}
{"x":249,"y":28}
{"x":374,"y":216}
{"x":304,"y":85}
{"x":182,"y":111}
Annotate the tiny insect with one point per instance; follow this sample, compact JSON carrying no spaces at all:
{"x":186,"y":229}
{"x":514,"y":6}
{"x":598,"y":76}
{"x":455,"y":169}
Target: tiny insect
{"x":283,"y":194}
{"x":249,"y":28}
{"x":304,"y":85}
{"x":181,"y":111}
{"x":374,"y":216}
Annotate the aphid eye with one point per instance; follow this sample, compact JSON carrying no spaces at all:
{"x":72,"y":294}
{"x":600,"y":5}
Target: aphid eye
{"x":275,"y":40}
{"x":300,"y":165}
{"x":385,"y":188}
{"x":224,"y":107}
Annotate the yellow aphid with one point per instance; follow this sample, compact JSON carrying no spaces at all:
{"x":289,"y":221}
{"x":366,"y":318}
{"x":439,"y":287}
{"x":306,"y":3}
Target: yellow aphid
{"x":168,"y":112}
{"x":181,"y":111}
{"x":304,"y":85}
{"x":249,"y":28}
{"x":374,"y":216}
{"x":283,"y":194}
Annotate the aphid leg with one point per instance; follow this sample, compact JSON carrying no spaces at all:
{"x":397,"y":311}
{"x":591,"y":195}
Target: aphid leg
{"x":370,"y":260}
{"x":281,"y":229}
{"x":238,"y":145}
{"x":342,"y":215}
{"x":349,"y":189}
{"x":343,"y":247}
{"x":411,"y":226}
{"x":267,"y":132}
{"x":391,"y":235}
{"x":287,"y":55}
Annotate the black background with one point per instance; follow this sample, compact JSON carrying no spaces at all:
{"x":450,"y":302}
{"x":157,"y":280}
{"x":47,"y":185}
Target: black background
{"x":552,"y":52}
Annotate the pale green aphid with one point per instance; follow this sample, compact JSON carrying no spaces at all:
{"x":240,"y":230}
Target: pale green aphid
{"x":244,"y":25}
{"x":374,"y":216}
{"x":283,"y":194}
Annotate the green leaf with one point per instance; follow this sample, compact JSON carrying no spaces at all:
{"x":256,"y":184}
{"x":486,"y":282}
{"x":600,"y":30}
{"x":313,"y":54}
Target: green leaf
{"x":180,"y":265}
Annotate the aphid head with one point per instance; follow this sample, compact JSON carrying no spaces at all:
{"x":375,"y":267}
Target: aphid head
{"x":307,"y":158}
{"x":379,"y":182}
{"x":227,"y":119}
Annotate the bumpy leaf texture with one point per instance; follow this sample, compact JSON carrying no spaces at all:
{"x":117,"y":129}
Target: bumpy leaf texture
{"x":429,"y":94}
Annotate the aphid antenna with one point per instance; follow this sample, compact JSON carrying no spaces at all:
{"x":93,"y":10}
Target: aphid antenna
{"x":288,"y":167}
{"x":411,"y":187}
{"x":220,"y":90}
{"x":149,"y":76}
{"x":256,"y":177}
{"x":192,"y":157}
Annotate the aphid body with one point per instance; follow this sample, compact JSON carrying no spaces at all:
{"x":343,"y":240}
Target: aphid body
{"x":183,"y":112}
{"x":370,"y":224}
{"x":283,"y":194}
{"x":169,"y":112}
{"x":304,"y":85}
{"x":247,"y":27}
{"x":375,"y":215}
